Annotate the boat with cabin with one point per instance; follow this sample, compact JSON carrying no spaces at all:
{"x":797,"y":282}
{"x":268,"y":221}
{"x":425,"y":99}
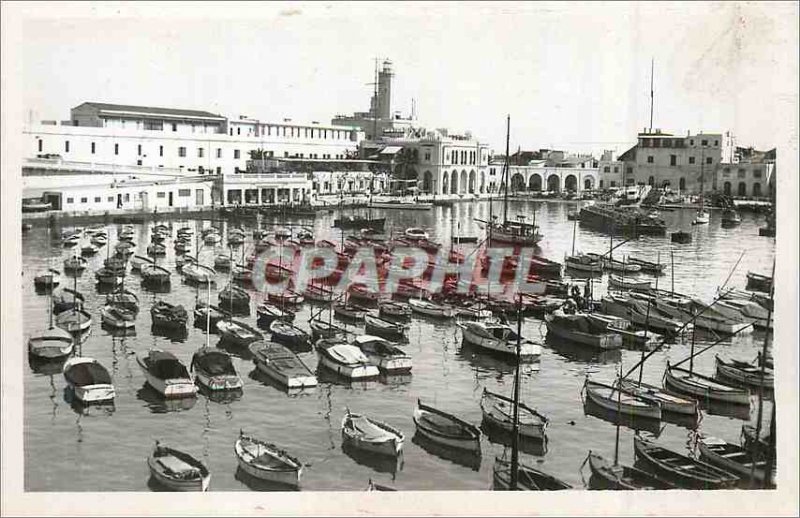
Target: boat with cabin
{"x":282,"y":364}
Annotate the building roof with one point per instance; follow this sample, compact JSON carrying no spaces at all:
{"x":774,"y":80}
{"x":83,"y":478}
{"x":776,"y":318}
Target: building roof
{"x":151,"y":111}
{"x":628,"y":155}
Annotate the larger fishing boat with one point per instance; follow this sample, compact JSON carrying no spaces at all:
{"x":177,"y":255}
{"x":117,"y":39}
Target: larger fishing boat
{"x":621,"y":220}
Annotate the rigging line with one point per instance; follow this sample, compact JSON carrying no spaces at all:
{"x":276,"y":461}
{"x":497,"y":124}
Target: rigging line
{"x":712,"y":345}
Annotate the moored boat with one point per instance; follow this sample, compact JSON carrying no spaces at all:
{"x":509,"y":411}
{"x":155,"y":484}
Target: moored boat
{"x":117,"y":317}
{"x":758,"y":282}
{"x":237,"y":333}
{"x":50,"y":344}
{"x":48,"y":280}
{"x":75,"y":264}
{"x":446,"y":429}
{"x":125,"y":299}
{"x":647,"y":266}
{"x":583,"y":263}
{"x":628,"y":284}
{"x":177,"y":470}
{"x":621,"y":402}
{"x":268,"y":312}
{"x":67,"y":299}
{"x":234,"y":297}
{"x":344,"y":359}
{"x":528,"y":478}
{"x":668,"y":402}
{"x":371,"y":435}
{"x":266,"y":461}
{"x":349,"y":311}
{"x":168,"y":316}
{"x":384,"y":328}
{"x":431,"y":309}
{"x":684,"y":471}
{"x":166,"y":374}
{"x":281,"y":364}
{"x":581,"y":330}
{"x":205,"y":314}
{"x":499,"y":338}
{"x":621,"y":477}
{"x":89,"y":380}
{"x":744,"y":372}
{"x":285,"y":333}
{"x":732,"y":458}
{"x":198,"y":273}
{"x":155,"y":275}
{"x":392,"y":309}
{"x":74,"y":320}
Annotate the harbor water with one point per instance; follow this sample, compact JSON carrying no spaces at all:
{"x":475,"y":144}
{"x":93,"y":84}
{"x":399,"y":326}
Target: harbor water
{"x":104,"y":448}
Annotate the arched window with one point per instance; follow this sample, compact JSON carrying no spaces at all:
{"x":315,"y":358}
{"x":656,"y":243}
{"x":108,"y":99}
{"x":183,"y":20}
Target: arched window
{"x":726,"y":188}
{"x":682,"y":184}
{"x":756,"y":189}
{"x":651,"y":181}
{"x":742,"y":189}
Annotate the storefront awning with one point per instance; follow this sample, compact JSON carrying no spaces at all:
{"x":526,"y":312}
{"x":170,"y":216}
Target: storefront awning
{"x":390,"y":150}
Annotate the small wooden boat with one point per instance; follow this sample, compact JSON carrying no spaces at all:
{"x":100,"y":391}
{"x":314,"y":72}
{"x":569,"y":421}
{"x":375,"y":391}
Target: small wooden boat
{"x":74,"y":320}
{"x":285,"y":333}
{"x":730,"y":218}
{"x":528,"y":478}
{"x":431,"y":309}
{"x":498,"y":411}
{"x":47,"y":281}
{"x":583,"y":263}
{"x":214,"y":370}
{"x":182,"y":247}
{"x":235,"y":239}
{"x":383,"y":354}
{"x":89,"y":380}
{"x":212,"y":238}
{"x":621,"y":477}
{"x":668,"y":402}
{"x":628,"y":284}
{"x":281,"y":364}
{"x":704,"y":387}
{"x":731,"y":458}
{"x":89,"y":249}
{"x":155,"y":275}
{"x":618,"y":266}
{"x":177,"y":470}
{"x":681,"y":237}
{"x":198,"y":273}
{"x":242,"y":274}
{"x":72,"y":240}
{"x":499,"y":338}
{"x":166,"y":374}
{"x":545,"y":267}
{"x":125,"y":299}
{"x":581,"y":330}
{"x":285,"y":297}
{"x":268,"y":312}
{"x":234,"y":297}
{"x":237,"y":333}
{"x":349,"y":311}
{"x":208,"y":315}
{"x":67,"y":299}
{"x":758,"y":282}
{"x":99,"y":240}
{"x":446,"y":429}
{"x":75,"y":264}
{"x":414,"y":233}
{"x":701,"y":218}
{"x":265,"y":461}
{"x":51,"y":344}
{"x":684,"y":471}
{"x":384,"y":328}
{"x":117,"y":317}
{"x":168,"y":316}
{"x":137,"y":261}
{"x":647,"y":266}
{"x":318,"y":293}
{"x":372,"y":486}
{"x":370,"y":435}
{"x":323,"y":329}
{"x":344,"y":359}
{"x":392,"y":309}
{"x":744,"y":372}
{"x":620,"y":401}
{"x":362,"y":293}
{"x":222,"y":262}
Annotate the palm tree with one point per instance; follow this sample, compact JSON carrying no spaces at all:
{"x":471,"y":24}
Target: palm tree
{"x":404,"y":163}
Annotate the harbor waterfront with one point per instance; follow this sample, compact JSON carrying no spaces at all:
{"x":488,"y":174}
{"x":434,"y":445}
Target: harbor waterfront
{"x":69,"y":447}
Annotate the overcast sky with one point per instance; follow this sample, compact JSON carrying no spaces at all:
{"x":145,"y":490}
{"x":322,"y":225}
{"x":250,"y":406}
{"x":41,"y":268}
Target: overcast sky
{"x":572,"y":76}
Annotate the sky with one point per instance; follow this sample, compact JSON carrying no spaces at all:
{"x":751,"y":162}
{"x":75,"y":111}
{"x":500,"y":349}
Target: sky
{"x":571,"y":76}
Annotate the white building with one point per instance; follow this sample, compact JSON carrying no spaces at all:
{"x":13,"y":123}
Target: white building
{"x":191,"y":141}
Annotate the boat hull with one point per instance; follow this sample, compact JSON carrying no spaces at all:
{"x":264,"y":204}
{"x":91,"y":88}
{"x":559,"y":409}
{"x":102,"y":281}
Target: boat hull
{"x":682,"y":382}
{"x":354,"y":372}
{"x":648,"y":411}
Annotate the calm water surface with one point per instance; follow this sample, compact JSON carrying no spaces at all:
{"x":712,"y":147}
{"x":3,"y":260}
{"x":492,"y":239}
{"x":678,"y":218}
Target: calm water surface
{"x":105,"y":448}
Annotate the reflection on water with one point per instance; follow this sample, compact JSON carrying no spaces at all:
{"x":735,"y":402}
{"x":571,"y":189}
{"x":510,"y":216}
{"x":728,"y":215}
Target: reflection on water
{"x":501,"y":436}
{"x":308,"y":421}
{"x":257,"y":484}
{"x":257,"y":375}
{"x":379,"y":463}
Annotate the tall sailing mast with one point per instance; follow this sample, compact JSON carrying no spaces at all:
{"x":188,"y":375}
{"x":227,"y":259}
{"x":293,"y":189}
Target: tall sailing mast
{"x":505,"y":173}
{"x":515,"y":430}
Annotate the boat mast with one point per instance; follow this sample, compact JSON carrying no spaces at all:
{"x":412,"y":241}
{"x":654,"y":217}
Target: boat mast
{"x":619,"y":407}
{"x":505,"y":175}
{"x":647,"y":322}
{"x":50,"y":273}
{"x":574,"y":229}
{"x":761,"y":388}
{"x":515,"y":431}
